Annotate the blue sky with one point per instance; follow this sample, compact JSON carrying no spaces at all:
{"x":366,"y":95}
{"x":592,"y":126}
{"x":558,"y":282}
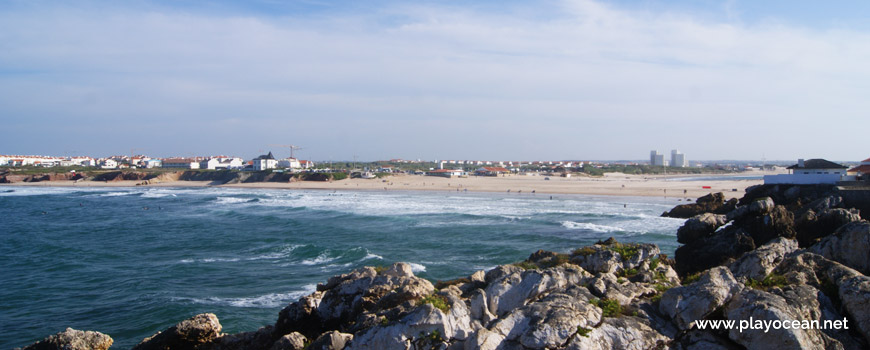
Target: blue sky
{"x":572,"y":79}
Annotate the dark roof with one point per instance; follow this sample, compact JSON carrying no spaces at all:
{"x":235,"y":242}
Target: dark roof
{"x":266,"y":156}
{"x":818,"y":164}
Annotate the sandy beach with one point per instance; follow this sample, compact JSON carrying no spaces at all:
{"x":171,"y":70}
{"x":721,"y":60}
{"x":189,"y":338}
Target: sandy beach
{"x":612,"y":184}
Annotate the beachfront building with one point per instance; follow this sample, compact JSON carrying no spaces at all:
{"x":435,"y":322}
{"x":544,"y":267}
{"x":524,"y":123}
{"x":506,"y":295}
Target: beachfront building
{"x":153,"y":163}
{"x":678,"y":159}
{"x":230,"y":163}
{"x":656,"y":158}
{"x":491,"y":171}
{"x":180,"y":163}
{"x":306,"y":164}
{"x":211,"y":164}
{"x":810,"y":172}
{"x":265,"y":162}
{"x":446,"y":173}
{"x":108,"y":163}
{"x":289,"y":163}
{"x":862,"y":171}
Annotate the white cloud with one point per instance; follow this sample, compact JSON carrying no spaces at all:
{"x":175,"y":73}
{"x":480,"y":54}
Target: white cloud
{"x":575,"y":79}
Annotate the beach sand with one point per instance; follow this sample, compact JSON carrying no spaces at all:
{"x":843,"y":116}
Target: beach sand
{"x":611,"y":184}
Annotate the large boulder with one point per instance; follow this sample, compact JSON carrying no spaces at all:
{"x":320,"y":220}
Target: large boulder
{"x":333,"y":340}
{"x":757,"y":306}
{"x":850,"y":246}
{"x":711,"y":203}
{"x":699,"y":226}
{"x":348,"y":302}
{"x":518,"y":288}
{"x":811,"y":226}
{"x":190,"y":333}
{"x":722,"y":248}
{"x":550,"y":322}
{"x":72,"y":339}
{"x":627,"y":333}
{"x":687,"y":304}
{"x":759,"y":263}
{"x":776,"y":222}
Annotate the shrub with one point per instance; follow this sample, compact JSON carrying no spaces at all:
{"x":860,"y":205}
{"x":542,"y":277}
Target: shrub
{"x":339,"y":176}
{"x":627,"y":273}
{"x":769,"y":281}
{"x":609,"y":308}
{"x":585,"y":251}
{"x":555,"y":261}
{"x":583,"y":332}
{"x":654,"y":262}
{"x":526,"y":265}
{"x":627,"y":251}
{"x":691,"y":278}
{"x":438,"y":301}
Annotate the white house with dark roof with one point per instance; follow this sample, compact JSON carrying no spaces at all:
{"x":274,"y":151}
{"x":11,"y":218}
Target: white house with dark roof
{"x":810,"y":172}
{"x":264,"y":162}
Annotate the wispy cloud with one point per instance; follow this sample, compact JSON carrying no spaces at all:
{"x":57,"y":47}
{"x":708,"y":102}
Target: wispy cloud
{"x":569,"y":79}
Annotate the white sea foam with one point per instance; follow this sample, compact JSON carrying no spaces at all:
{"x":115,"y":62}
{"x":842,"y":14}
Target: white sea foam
{"x":589,"y":226}
{"x":372,"y":256}
{"x":116,"y":194}
{"x":283,"y":253}
{"x":271,"y":300}
{"x":417,"y":268}
{"x":231,"y":200}
{"x":323,"y":258}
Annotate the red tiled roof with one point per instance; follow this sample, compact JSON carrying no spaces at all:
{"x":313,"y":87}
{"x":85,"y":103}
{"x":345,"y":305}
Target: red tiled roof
{"x":501,"y":169}
{"x":864,"y":169}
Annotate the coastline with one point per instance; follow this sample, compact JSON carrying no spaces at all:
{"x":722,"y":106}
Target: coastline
{"x":611,"y":184}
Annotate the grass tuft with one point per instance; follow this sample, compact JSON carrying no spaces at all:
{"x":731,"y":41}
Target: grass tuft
{"x":438,"y":301}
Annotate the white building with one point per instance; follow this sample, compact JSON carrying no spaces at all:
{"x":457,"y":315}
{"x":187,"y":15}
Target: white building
{"x":153,"y":163}
{"x":209,"y":164}
{"x":678,"y":159}
{"x":810,"y":172}
{"x":265,"y":162}
{"x":108,"y":164}
{"x":180,"y":163}
{"x":230,"y":163}
{"x":289,"y":163}
{"x":656,"y":158}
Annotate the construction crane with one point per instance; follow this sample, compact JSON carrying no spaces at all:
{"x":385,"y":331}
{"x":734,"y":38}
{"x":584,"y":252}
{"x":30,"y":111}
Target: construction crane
{"x":293,"y":149}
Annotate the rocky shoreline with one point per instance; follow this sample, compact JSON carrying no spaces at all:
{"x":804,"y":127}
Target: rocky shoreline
{"x":786,"y":253}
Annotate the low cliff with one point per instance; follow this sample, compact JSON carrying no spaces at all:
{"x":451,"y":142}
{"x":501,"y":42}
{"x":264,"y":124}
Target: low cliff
{"x":800,"y":259}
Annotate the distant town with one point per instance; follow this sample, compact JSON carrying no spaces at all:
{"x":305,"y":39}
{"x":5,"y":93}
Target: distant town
{"x":657,"y":164}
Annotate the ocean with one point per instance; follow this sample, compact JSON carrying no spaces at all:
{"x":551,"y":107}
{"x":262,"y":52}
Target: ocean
{"x":130,"y":262}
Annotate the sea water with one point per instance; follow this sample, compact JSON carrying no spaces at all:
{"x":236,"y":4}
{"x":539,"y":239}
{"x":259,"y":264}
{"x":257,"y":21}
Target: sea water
{"x":130,"y":262}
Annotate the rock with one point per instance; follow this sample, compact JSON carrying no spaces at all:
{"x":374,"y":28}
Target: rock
{"x":333,"y":340}
{"x":550,"y":322}
{"x":759,"y":263}
{"x":694,"y":339}
{"x":850,"y":246}
{"x":761,"y":206}
{"x":72,"y":339}
{"x":500,"y":272}
{"x":722,"y":248}
{"x":515,"y":290}
{"x":192,"y":332}
{"x":699,"y":226}
{"x":348,"y":301}
{"x":760,"y":306}
{"x":628,"y":333}
{"x":607,"y":257}
{"x":854,"y":293}
{"x":425,"y":323}
{"x":292,"y":341}
{"x":711,"y":203}
{"x":259,"y":339}
{"x":813,"y":305}
{"x":839,"y":282}
{"x":399,"y":269}
{"x":778,"y":222}
{"x":812,"y":226}
{"x":693,"y":302}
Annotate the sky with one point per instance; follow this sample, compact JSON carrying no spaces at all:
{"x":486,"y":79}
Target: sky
{"x":494,"y":80}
